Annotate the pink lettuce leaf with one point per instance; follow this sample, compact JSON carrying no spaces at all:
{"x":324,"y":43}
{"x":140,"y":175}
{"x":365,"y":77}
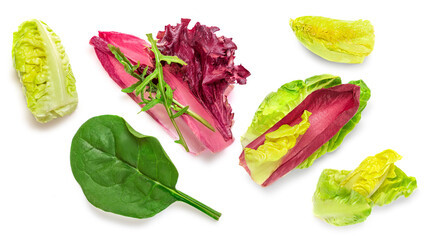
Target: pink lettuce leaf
{"x":123,"y":79}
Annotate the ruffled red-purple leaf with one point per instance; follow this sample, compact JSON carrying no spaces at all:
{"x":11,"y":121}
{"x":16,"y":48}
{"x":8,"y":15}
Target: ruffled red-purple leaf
{"x":210,"y":68}
{"x":331,"y":109}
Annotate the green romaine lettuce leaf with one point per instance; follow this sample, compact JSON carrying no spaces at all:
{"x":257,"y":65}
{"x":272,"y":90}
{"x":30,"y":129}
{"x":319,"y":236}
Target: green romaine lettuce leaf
{"x":44,"y":71}
{"x":337,"y":205}
{"x":347,"y":197}
{"x":393,"y":187}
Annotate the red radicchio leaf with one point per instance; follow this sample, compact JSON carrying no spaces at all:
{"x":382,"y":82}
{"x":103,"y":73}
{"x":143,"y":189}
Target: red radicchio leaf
{"x":331,"y":109}
{"x":210,"y":70}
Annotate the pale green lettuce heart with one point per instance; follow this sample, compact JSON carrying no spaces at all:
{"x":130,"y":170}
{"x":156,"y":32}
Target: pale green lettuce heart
{"x":44,"y":70}
{"x":337,"y":205}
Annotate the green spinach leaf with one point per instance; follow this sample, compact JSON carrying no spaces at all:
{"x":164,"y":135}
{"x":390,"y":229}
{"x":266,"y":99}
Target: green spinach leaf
{"x":125,"y":172}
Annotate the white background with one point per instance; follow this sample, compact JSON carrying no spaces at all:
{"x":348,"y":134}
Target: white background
{"x":40,"y":199}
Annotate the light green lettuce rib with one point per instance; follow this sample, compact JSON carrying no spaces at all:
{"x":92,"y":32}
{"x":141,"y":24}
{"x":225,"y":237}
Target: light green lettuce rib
{"x":44,"y":71}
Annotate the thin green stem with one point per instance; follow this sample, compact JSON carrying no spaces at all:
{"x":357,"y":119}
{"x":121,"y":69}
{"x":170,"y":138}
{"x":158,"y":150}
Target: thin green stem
{"x":195,"y":116}
{"x":188,"y":112}
{"x":197,"y":204}
{"x":158,"y":65}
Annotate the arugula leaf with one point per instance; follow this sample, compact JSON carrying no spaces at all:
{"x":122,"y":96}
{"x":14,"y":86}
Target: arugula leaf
{"x":164,"y":93}
{"x":181,"y":112}
{"x":125,"y":172}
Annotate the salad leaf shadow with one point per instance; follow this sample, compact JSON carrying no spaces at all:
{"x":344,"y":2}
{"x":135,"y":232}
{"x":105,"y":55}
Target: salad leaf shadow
{"x":206,"y":156}
{"x":40,"y":126}
{"x":342,"y":229}
{"x":111,"y":217}
{"x":129,"y":221}
{"x":181,"y":206}
{"x":325,"y":62}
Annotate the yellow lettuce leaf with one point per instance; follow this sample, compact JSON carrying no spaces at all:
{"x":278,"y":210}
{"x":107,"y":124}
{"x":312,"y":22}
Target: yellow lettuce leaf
{"x":335,"y":40}
{"x":263,"y":161}
{"x":372,"y":172}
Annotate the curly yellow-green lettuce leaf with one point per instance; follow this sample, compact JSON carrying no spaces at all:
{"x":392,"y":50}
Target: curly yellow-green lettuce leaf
{"x":347,"y":197}
{"x":398,"y":184}
{"x":44,"y":71}
{"x":264,"y":160}
{"x":372,"y":172}
{"x":335,"y":40}
{"x":337,"y":205}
